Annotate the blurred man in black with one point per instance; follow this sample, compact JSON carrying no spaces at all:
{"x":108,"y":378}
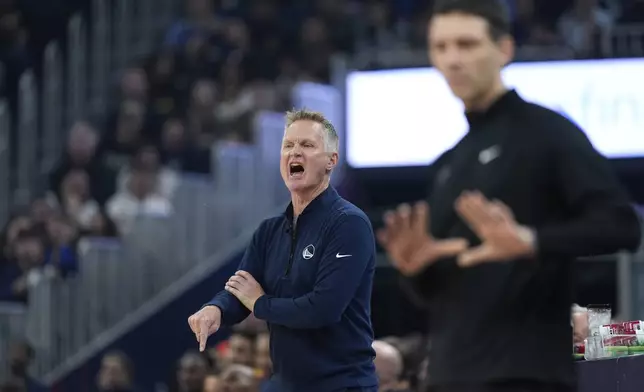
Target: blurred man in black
{"x":513,"y":203}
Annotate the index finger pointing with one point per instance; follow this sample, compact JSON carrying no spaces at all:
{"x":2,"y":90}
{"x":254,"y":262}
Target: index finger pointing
{"x":203,"y":334}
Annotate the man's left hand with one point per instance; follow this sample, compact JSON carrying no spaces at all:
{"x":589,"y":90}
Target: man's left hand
{"x":502,"y":238}
{"x":243,"y":286}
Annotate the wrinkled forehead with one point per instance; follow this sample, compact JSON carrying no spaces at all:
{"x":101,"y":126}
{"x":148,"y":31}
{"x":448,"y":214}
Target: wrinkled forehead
{"x":304,"y":130}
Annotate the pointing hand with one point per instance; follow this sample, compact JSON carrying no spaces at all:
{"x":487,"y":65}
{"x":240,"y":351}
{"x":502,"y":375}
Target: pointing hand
{"x":205,"y":323}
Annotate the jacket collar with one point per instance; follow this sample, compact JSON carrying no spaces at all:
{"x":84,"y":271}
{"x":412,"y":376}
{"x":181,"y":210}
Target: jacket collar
{"x":320,"y":203}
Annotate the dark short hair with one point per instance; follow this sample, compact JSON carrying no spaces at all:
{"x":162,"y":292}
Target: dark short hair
{"x":494,"y":12}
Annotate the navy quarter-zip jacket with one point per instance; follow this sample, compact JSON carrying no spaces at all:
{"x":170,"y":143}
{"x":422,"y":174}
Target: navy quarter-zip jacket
{"x":318,"y":278}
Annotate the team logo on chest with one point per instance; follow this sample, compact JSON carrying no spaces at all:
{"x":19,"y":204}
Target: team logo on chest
{"x":308,"y":252}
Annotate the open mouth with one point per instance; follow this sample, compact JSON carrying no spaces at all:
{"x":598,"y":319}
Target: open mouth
{"x":296,"y":170}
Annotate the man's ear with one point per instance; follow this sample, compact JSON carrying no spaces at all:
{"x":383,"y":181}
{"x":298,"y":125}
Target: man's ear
{"x":333,"y":161}
{"x":506,"y":47}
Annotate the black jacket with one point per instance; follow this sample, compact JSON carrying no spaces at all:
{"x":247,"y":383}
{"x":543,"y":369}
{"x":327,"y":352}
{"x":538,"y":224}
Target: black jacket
{"x":511,"y":320}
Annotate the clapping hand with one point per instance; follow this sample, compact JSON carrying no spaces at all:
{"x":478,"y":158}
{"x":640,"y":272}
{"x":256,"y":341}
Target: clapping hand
{"x":503,"y":239}
{"x":409,"y":244}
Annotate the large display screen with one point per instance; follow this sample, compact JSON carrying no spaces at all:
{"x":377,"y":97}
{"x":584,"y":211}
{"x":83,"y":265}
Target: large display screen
{"x":408,"y":117}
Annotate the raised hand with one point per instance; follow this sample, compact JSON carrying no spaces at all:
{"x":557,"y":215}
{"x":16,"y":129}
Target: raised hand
{"x":502,"y":238}
{"x":408,"y":242}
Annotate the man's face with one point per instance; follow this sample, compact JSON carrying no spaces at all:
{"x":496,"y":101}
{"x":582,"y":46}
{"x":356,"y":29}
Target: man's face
{"x":29,"y":252}
{"x":81,"y":143}
{"x":305,"y":161}
{"x":112,"y":374}
{"x":134,"y":83}
{"x":142,"y":184}
{"x":173,"y":134}
{"x":192,"y":373}
{"x":149,"y":159}
{"x":238,"y":379}
{"x":462,"y":49}
{"x":240,"y":350}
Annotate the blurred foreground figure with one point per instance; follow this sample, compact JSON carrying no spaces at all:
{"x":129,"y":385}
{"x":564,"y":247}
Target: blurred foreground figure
{"x":513,"y":204}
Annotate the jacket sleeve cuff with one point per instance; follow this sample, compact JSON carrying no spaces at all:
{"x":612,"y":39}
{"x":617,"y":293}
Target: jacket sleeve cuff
{"x":260,"y":309}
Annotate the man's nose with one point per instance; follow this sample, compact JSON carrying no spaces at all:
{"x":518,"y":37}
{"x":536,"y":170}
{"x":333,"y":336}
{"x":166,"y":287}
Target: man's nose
{"x":452,"y":57}
{"x":296,"y":151}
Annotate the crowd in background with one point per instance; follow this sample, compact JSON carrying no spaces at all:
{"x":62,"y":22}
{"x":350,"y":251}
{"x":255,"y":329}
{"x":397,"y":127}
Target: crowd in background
{"x":214,"y":68}
{"x":242,"y":364}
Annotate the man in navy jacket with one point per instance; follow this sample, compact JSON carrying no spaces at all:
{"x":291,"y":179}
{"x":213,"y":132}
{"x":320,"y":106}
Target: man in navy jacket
{"x":308,"y":273}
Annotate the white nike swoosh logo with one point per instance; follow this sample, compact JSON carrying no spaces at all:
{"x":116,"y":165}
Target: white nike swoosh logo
{"x":339,"y":256}
{"x":490,"y":154}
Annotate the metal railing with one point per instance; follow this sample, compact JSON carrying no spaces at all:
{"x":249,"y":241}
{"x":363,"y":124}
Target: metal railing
{"x":12,"y":323}
{"x":118,"y":276}
{"x":70,"y":91}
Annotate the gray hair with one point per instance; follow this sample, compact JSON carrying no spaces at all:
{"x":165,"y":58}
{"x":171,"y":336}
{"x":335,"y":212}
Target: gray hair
{"x":331,"y":140}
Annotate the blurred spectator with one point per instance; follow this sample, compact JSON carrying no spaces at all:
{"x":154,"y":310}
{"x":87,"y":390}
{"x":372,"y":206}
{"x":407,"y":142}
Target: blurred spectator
{"x":200,"y":18}
{"x":202,"y":121}
{"x":413,"y":350}
{"x":138,"y":198}
{"x":316,"y":50}
{"x":581,"y":25}
{"x":116,"y":373}
{"x":134,"y":85}
{"x":127,"y":135}
{"x":21,"y":355}
{"x":29,"y":256}
{"x":15,"y":225}
{"x":389,"y":367}
{"x":43,"y":244}
{"x":238,"y":378}
{"x":14,"y":37}
{"x":192,"y":372}
{"x":101,"y":226}
{"x":178,"y":152}
{"x":212,"y":384}
{"x":76,"y":200}
{"x":147,"y":159}
{"x":263,"y":363}
{"x":380,"y":26}
{"x":530,"y":28}
{"x":241,"y":349}
{"x":165,"y":88}
{"x":42,"y":209}
{"x":81,"y":155}
{"x":61,"y":252}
